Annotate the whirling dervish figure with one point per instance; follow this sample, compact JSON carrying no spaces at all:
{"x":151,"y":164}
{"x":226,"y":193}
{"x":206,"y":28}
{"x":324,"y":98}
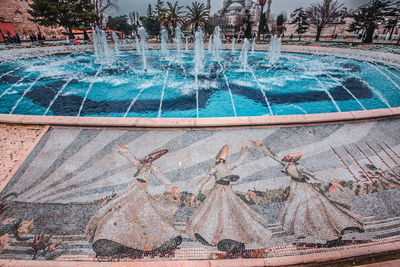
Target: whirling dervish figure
{"x":223,"y":219}
{"x":134,"y":221}
{"x":309,"y":213}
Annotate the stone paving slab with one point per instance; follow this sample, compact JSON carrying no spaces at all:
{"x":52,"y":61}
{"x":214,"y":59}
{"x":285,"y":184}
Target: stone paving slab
{"x":79,"y":187}
{"x":16,"y":140}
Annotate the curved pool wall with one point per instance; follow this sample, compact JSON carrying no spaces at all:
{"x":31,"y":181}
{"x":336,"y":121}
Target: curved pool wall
{"x":386,"y":58}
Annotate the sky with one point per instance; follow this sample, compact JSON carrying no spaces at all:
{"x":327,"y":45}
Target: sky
{"x":278,"y":6}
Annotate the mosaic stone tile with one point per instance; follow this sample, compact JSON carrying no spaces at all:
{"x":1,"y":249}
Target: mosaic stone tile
{"x":109,"y":195}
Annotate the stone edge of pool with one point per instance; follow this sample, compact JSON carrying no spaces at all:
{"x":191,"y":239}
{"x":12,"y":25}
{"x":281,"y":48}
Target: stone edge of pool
{"x":357,"y":54}
{"x":219,"y":122}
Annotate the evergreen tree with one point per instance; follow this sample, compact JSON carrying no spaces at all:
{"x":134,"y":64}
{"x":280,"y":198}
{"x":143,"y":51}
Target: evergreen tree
{"x":260,"y":21}
{"x":134,"y":20}
{"x":368,"y":17}
{"x":393,"y":17}
{"x":299,"y":18}
{"x":69,"y":14}
{"x":264,"y":25}
{"x":150,"y":22}
{"x":280,"y":20}
{"x":159,"y":11}
{"x":120,"y":24}
{"x":247,"y":23}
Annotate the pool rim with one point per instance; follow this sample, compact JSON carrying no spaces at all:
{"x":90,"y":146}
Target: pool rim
{"x":216,"y":122}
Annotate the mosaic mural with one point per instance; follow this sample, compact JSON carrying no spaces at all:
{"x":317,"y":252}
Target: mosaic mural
{"x":105,"y":195}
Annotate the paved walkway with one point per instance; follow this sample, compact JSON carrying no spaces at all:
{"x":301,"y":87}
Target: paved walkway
{"x":16,"y":140}
{"x":81,"y":196}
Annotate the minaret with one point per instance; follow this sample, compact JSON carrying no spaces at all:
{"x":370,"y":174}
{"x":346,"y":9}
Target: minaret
{"x":268,"y":13}
{"x":209,"y":7}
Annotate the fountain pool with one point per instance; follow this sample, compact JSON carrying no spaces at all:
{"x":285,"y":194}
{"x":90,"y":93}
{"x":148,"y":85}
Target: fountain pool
{"x":78,"y":84}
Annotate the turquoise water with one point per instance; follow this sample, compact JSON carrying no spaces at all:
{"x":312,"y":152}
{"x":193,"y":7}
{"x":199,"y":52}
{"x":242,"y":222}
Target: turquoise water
{"x":72,"y":84}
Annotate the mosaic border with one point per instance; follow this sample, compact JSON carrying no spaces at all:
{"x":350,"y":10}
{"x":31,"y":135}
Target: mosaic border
{"x":316,"y":258}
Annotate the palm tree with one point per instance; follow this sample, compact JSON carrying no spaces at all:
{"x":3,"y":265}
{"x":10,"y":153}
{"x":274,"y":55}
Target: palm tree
{"x":262,"y":4}
{"x":197,"y":15}
{"x":173,"y":16}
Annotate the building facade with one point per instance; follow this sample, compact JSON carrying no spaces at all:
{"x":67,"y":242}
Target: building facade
{"x":16,"y":13}
{"x":233,"y":11}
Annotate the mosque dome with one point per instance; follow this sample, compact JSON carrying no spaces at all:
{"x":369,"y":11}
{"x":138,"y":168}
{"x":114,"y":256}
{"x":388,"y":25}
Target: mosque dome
{"x":235,"y":6}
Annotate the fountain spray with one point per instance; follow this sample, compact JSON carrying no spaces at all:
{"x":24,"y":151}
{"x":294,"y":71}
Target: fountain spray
{"x":274,"y":50}
{"x":253,"y":45}
{"x":243,"y":54}
{"x":198,"y":62}
{"x":178,"y":41}
{"x":102,"y":50}
{"x":137,"y":45}
{"x":164,"y":42}
{"x":210,"y":44}
{"x":233,"y":45}
{"x":143,"y":46}
{"x":116,"y":44}
{"x":199,"y":51}
{"x":217,"y":43}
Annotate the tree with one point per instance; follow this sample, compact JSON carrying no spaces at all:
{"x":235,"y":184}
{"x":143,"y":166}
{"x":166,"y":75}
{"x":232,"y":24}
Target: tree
{"x":299,"y":18}
{"x":150,"y":22}
{"x":197,"y":15}
{"x":264,"y":19}
{"x":134,"y":20}
{"x":262,"y":4}
{"x":394,"y":17}
{"x":173,"y":16}
{"x":119,"y":24}
{"x":280,"y":20}
{"x":69,"y":14}
{"x":264,"y":24}
{"x":320,"y":15}
{"x":159,"y":11}
{"x":391,"y":24}
{"x":101,"y":6}
{"x":368,"y":17}
{"x":247,"y":23}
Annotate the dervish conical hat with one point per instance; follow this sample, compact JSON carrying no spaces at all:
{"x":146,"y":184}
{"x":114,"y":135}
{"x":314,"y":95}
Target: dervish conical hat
{"x":155,"y":155}
{"x":223,"y":153}
{"x":294,"y":156}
